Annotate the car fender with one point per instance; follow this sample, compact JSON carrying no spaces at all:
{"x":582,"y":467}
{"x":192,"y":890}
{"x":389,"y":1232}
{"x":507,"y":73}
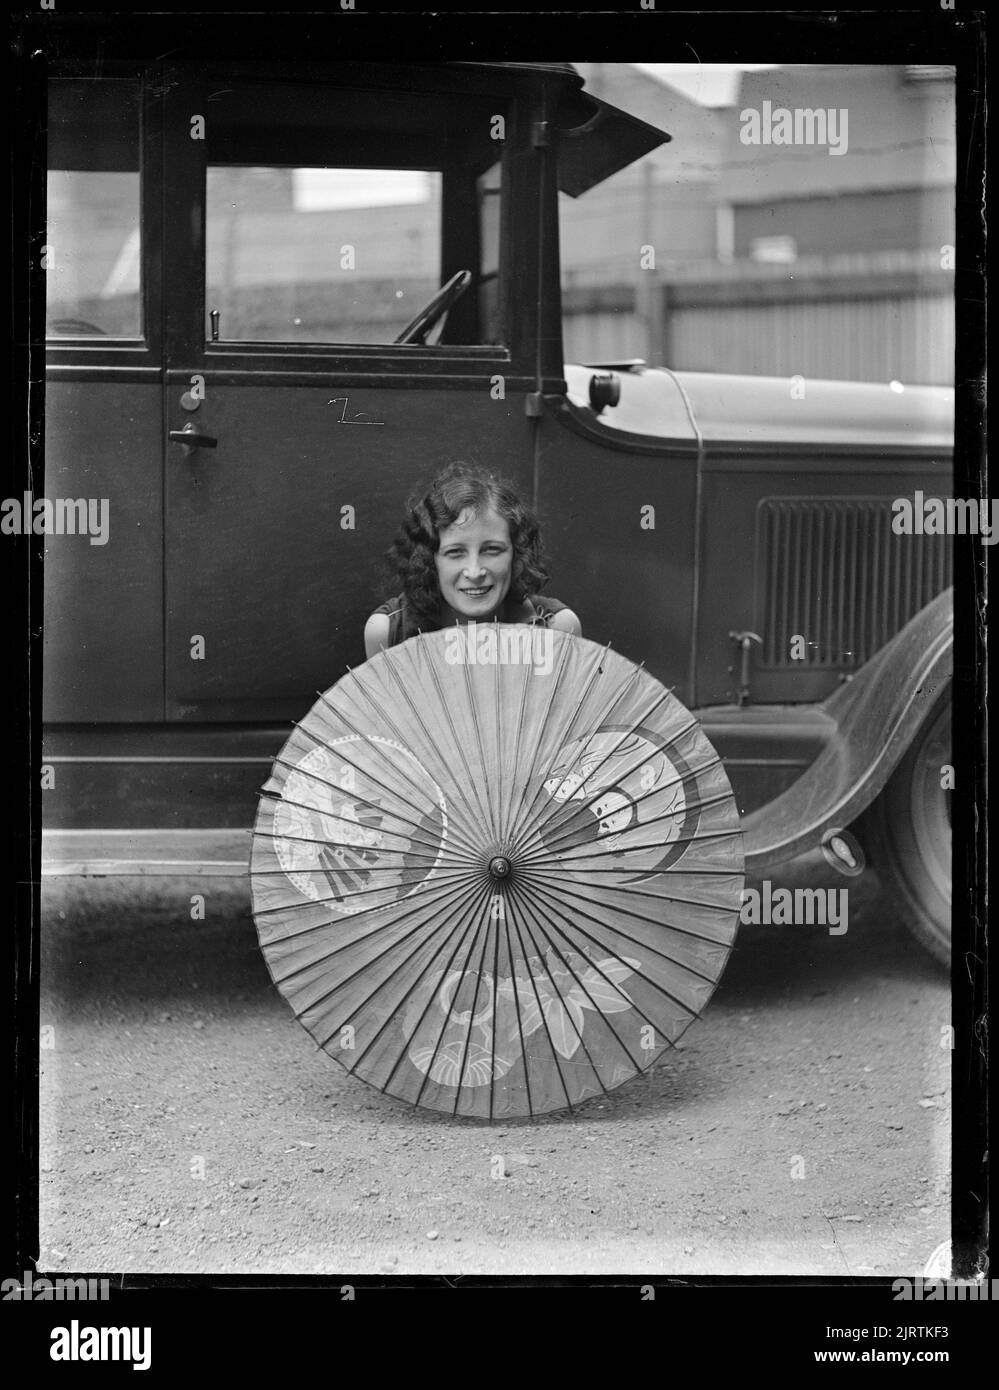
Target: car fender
{"x":877,"y":714}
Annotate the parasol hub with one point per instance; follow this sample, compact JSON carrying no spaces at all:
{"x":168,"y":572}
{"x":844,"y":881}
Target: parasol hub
{"x":500,"y":866}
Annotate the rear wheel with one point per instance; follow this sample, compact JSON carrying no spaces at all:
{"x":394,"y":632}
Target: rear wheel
{"x":912,"y":819}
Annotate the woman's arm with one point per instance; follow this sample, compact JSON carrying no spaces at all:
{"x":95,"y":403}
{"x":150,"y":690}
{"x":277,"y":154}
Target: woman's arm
{"x":376,"y":633}
{"x":566,"y":621}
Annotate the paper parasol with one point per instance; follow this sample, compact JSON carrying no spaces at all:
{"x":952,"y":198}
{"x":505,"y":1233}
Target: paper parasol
{"x":497,"y":870}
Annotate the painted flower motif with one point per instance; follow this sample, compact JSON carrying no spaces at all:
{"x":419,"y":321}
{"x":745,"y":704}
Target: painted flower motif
{"x":558,"y":993}
{"x":469,"y":988}
{"x":457,"y":1060}
{"x":477,"y":1047}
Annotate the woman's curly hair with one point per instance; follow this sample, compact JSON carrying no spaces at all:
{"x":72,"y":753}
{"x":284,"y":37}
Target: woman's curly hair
{"x":461,"y":487}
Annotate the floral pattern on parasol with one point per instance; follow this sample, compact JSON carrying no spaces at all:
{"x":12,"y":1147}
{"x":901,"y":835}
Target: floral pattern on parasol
{"x":554,"y":995}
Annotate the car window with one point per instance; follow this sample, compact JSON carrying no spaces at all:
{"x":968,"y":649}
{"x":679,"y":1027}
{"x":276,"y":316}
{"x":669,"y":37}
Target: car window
{"x":93,"y":238}
{"x":318,"y":255}
{"x":334,"y":214}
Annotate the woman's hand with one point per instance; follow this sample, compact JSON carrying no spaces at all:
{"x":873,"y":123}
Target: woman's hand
{"x":566,"y":621}
{"x":376,"y":634}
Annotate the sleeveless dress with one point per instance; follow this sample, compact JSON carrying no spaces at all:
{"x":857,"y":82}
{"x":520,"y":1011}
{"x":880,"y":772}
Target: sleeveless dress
{"x":401,"y":628}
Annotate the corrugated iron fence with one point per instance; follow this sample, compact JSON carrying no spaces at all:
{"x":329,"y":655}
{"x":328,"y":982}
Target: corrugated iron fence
{"x":871,"y":318}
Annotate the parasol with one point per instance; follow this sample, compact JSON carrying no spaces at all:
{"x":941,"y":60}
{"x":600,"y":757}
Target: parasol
{"x":497,"y":870}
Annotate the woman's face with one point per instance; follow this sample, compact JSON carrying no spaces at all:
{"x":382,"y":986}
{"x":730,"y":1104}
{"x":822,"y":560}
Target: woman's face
{"x":474,"y":565}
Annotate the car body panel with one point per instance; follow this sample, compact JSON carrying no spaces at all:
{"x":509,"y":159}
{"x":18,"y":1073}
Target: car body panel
{"x":876,"y":715}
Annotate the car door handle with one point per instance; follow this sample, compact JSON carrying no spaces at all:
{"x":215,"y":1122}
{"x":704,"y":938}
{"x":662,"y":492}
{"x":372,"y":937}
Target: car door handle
{"x":190,"y":438}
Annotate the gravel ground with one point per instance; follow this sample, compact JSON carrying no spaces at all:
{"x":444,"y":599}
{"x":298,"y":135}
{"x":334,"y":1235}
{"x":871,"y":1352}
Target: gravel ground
{"x":188,"y":1122}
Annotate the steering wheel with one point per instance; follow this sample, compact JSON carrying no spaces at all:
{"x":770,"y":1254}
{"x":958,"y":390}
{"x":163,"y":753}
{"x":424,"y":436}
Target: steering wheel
{"x":77,"y":328}
{"x":417,"y":329}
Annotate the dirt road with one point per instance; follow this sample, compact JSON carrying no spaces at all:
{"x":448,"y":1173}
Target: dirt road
{"x":189,"y":1123}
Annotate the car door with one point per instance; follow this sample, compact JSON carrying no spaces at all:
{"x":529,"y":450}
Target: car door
{"x":305,"y":224}
{"x":103,"y":592}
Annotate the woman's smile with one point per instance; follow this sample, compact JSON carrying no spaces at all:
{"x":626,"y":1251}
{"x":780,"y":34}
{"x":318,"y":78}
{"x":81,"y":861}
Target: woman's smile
{"x":474,"y":566}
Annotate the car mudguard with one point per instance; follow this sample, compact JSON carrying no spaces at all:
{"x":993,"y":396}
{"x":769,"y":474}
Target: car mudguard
{"x":877,"y":714}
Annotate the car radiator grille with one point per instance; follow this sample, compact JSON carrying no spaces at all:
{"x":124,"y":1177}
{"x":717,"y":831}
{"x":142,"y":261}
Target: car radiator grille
{"x":832,"y":572}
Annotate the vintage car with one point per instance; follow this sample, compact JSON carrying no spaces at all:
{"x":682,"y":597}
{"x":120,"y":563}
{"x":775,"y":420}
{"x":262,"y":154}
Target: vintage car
{"x":254,"y":433}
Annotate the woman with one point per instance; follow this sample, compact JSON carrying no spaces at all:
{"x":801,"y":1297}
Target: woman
{"x":469,"y":551}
